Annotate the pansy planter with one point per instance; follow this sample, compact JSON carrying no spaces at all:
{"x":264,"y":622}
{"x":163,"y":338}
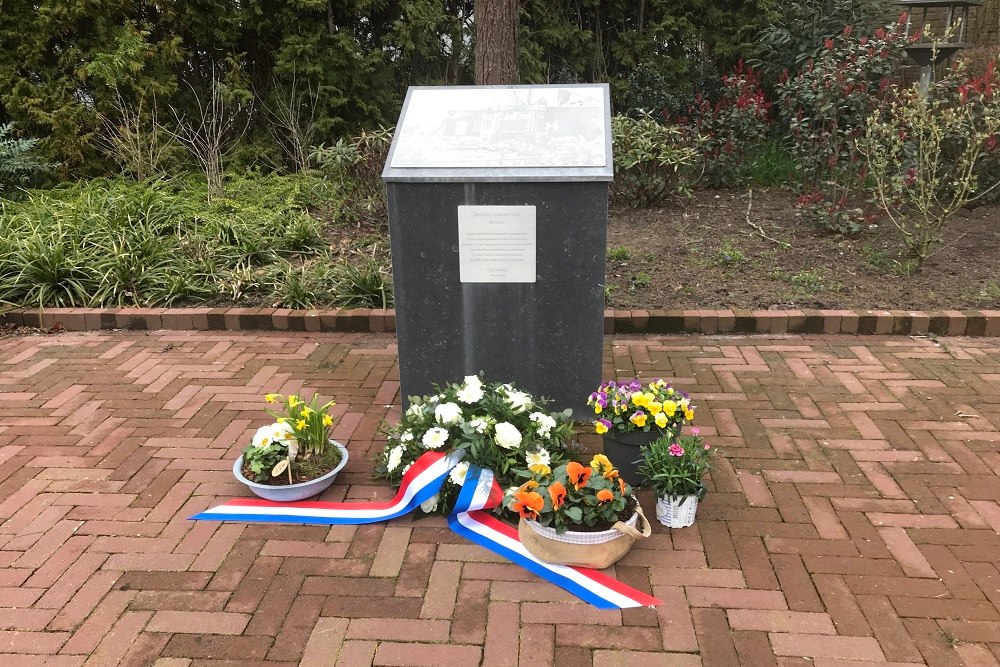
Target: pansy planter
{"x":625,"y":451}
{"x":596,"y":550}
{"x":292,"y":492}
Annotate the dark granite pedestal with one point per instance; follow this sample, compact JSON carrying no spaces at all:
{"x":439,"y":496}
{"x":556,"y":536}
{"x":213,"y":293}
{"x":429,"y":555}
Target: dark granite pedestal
{"x":545,"y":334}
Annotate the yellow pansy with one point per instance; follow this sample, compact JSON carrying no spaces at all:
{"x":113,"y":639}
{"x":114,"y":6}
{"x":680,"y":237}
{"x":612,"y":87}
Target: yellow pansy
{"x":639,"y":419}
{"x":600,"y":463}
{"x":661,"y":420}
{"x":689,"y":415}
{"x":670,"y":408}
{"x":655,"y":407}
{"x":540,"y":469}
{"x":639,"y":398}
{"x":600,"y":428}
{"x":597,"y":408}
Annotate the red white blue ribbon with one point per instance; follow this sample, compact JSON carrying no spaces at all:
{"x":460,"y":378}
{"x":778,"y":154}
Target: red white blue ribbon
{"x":470,"y":519}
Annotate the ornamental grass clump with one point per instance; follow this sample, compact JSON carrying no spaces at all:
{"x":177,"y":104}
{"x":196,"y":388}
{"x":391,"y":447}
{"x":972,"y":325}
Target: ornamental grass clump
{"x":674,"y":466}
{"x":624,"y":406}
{"x":295,"y":447}
{"x":574,"y":497}
{"x":498,"y":426}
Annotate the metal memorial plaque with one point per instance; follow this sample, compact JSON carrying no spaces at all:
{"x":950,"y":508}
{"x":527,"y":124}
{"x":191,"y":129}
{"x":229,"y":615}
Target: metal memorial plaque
{"x":503,"y":127}
{"x":496,"y":244}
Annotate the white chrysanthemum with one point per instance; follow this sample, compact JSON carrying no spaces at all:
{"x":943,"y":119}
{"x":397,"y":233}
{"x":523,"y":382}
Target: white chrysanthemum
{"x":405,"y":468}
{"x":479,"y":424}
{"x":541,"y":457}
{"x":406,"y":436}
{"x":394,"y":459}
{"x":507,"y":435}
{"x":435,"y":438}
{"x":448,"y":413}
{"x":544,"y":421}
{"x":430,"y":505}
{"x":459,"y":472}
{"x":470,"y":393}
{"x":519,"y":401}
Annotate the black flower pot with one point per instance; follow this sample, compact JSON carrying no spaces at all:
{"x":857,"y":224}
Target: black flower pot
{"x":625,"y":451}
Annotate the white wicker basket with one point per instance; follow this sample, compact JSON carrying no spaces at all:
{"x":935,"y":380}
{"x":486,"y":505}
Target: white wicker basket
{"x":676,"y":511}
{"x":581,"y":537}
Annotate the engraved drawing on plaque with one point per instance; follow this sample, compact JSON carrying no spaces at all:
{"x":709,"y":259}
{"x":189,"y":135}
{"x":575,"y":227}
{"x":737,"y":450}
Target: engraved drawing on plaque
{"x":503,"y":127}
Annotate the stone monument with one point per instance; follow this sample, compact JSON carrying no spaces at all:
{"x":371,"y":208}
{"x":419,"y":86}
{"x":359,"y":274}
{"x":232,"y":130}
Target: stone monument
{"x":498,"y":210}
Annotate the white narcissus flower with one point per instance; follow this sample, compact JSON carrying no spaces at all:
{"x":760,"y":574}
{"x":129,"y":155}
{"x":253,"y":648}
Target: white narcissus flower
{"x":448,"y":413}
{"x":470,"y":393}
{"x":459,"y":472}
{"x":507,"y":435}
{"x":395,"y":458}
{"x":435,"y":437}
{"x":541,"y":457}
{"x":430,"y":505}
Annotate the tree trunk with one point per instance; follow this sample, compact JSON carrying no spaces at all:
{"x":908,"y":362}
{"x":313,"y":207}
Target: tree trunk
{"x":496,"y":41}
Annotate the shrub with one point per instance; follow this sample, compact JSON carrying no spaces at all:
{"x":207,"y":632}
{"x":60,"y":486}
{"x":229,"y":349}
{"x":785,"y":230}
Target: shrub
{"x":16,"y":161}
{"x":357,"y":165}
{"x":730,"y":127}
{"x":647,"y":158}
{"x":826,"y":105}
{"x":923,"y":150}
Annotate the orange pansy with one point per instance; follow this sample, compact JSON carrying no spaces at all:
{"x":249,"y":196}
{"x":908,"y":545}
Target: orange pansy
{"x":558,"y":494}
{"x":530,"y":485}
{"x":605,"y":496}
{"x":578,"y":474}
{"x":528,"y":504}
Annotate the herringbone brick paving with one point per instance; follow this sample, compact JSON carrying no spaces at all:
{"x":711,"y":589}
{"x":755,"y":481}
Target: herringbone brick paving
{"x":853,"y":519}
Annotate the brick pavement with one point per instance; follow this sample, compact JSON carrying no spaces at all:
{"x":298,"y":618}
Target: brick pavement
{"x":852,"y":521}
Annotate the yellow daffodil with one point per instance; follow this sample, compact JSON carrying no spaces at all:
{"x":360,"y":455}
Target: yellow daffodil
{"x":300,"y":425}
{"x":272,"y":398}
{"x":327,"y":420}
{"x":293,"y":401}
{"x":306,"y":412}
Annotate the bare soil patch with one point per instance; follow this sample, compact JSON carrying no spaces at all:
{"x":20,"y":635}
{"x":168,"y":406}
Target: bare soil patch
{"x":701,"y":253}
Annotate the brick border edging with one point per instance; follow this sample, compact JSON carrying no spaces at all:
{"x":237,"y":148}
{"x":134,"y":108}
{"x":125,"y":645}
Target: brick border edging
{"x":863,"y":322}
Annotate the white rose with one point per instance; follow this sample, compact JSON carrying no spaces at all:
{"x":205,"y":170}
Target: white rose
{"x":430,"y":505}
{"x":470,"y":393}
{"x":448,"y":413}
{"x":519,"y":401}
{"x":435,"y":437}
{"x":395,"y":458}
{"x":507,"y":435}
{"x":541,"y":457}
{"x":459,"y":472}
